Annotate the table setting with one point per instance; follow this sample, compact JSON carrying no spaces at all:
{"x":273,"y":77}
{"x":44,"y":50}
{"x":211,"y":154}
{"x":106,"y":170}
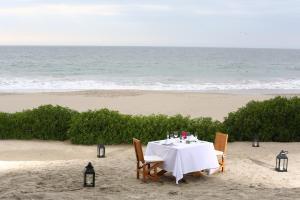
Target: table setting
{"x":184,"y":153}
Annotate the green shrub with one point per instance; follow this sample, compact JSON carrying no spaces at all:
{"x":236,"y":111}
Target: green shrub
{"x":111,"y":127}
{"x":45,"y":122}
{"x":276,"y":119}
{"x":6,"y":125}
{"x":147,"y":128}
{"x":51,"y":122}
{"x":92,"y":127}
{"x":205,"y":128}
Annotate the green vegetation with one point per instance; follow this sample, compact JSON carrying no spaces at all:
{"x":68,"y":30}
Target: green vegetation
{"x":110,"y":127}
{"x":45,"y":122}
{"x":276,"y":119}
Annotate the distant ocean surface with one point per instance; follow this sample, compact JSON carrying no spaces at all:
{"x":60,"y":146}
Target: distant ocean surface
{"x":27,"y":69}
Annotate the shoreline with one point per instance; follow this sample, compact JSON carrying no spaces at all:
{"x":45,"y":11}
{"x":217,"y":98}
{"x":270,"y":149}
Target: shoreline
{"x":136,"y":102}
{"x":225,"y":92}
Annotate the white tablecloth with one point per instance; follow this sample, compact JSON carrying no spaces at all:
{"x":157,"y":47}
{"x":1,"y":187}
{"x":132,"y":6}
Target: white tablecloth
{"x":181,"y":158}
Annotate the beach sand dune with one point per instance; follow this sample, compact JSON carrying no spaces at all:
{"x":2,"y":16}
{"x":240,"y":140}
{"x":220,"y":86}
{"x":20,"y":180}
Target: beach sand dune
{"x":53,"y":170}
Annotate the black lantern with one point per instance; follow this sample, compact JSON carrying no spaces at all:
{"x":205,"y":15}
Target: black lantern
{"x":255,"y":141}
{"x":282,"y":161}
{"x":89,"y":176}
{"x":100,"y":151}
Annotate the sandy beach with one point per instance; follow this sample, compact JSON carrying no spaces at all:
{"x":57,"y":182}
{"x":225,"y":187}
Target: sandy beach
{"x":215,"y":105}
{"x":105,"y":72}
{"x":53,"y":170}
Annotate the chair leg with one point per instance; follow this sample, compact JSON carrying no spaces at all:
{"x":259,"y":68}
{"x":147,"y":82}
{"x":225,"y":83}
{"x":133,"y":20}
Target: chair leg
{"x":150,"y":171}
{"x":145,"y":171}
{"x":161,"y":172}
{"x":223,"y":163}
{"x":137,"y":171}
{"x":155,"y":175}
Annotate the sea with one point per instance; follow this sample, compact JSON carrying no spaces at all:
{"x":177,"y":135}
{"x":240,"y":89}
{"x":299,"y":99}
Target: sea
{"x":73,"y":68}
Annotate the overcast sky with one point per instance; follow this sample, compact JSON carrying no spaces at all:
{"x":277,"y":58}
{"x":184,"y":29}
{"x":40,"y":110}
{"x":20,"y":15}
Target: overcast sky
{"x":216,"y":23}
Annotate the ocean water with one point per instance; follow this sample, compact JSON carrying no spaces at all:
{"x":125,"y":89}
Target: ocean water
{"x":28,"y":68}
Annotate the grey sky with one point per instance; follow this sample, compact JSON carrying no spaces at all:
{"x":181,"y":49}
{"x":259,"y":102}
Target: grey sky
{"x":225,"y":23}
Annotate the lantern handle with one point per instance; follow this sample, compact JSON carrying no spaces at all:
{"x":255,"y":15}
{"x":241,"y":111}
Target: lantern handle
{"x":284,"y":152}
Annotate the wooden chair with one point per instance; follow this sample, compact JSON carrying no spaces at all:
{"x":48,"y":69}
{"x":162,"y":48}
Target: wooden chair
{"x":221,"y":148}
{"x":147,"y":165}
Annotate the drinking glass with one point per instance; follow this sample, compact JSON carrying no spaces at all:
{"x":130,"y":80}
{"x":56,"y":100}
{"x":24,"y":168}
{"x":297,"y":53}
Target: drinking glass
{"x":176,"y":134}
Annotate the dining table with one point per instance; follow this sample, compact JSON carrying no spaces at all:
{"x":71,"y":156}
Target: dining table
{"x":182,"y":157}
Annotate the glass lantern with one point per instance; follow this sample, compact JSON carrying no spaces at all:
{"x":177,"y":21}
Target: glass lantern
{"x":89,"y":176}
{"x":100,"y":151}
{"x":255,"y":141}
{"x":282,"y":161}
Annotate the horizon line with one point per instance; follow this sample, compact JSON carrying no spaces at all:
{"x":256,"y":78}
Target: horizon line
{"x":150,"y":46}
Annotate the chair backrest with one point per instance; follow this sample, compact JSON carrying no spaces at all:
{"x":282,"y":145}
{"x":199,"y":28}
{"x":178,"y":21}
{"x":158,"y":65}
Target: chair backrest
{"x":138,"y":150}
{"x":221,"y":142}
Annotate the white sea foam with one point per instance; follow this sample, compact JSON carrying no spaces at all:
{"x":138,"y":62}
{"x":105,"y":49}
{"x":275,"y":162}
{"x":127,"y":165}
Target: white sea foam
{"x":43,"y":84}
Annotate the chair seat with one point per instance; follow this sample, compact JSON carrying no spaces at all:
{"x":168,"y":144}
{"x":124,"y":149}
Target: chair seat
{"x":219,"y":153}
{"x":149,"y":159}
